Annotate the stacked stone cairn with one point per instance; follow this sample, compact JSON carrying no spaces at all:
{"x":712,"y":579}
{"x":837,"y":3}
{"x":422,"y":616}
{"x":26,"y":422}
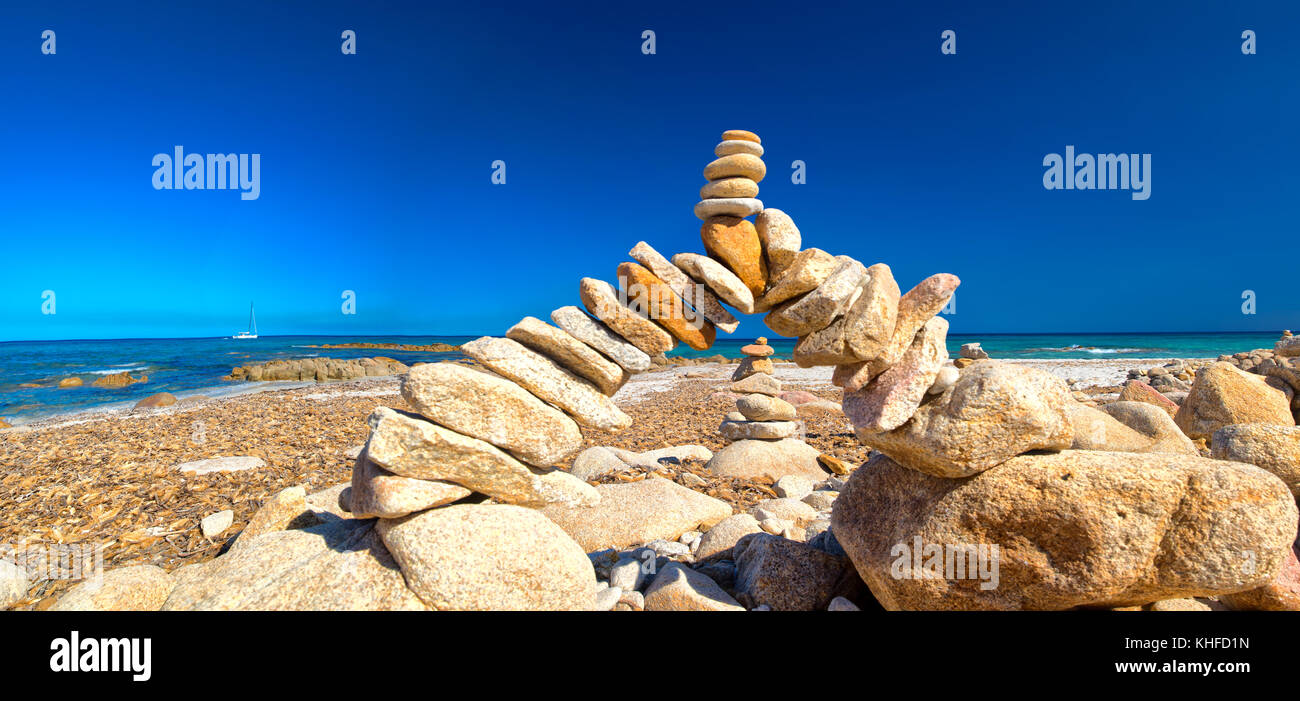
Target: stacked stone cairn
{"x":760,"y":413}
{"x":1046,"y":502}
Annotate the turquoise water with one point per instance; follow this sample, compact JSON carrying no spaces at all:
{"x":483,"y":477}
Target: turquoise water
{"x":196,"y":365}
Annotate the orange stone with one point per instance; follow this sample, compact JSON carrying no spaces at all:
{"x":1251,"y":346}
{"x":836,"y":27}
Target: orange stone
{"x":655,"y":298}
{"x":734,"y":242}
{"x":740,"y":135}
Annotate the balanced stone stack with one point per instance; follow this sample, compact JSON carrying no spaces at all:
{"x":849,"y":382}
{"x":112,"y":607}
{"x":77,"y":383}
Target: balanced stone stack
{"x":757,"y":360}
{"x":760,"y":413}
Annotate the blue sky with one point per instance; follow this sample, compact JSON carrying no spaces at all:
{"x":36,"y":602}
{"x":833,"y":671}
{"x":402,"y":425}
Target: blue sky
{"x":376,"y":167}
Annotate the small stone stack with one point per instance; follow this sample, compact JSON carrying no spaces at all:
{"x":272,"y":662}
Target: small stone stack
{"x":761,"y":413}
{"x":757,"y":360}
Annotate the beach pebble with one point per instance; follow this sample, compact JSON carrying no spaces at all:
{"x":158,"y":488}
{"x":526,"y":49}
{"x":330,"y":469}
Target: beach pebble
{"x":728,"y":207}
{"x":775,"y":526}
{"x":679,"y":588}
{"x":717,"y":541}
{"x":740,"y":135}
{"x":793,"y":487}
{"x":734,"y":146}
{"x":354,"y":452}
{"x":752,"y":366}
{"x":228,"y":464}
{"x":693,"y":480}
{"x":765,"y":430}
{"x":606,"y":598}
{"x":742,"y":165}
{"x":632,"y":600}
{"x":840,"y":603}
{"x":753,"y":459}
{"x":729,"y":187}
{"x":973,"y":351}
{"x":758,"y":384}
{"x":214,"y":525}
{"x":946,"y":378}
{"x":785,"y":508}
{"x":594,"y":462}
{"x":762,"y":407}
{"x":821,"y":500}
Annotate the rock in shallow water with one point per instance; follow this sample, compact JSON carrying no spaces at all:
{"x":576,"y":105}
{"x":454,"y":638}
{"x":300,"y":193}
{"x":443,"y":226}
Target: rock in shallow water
{"x":1077,"y":528}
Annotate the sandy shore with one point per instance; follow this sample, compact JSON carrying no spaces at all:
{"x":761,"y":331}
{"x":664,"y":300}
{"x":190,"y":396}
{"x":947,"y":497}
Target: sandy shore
{"x":110,"y":477}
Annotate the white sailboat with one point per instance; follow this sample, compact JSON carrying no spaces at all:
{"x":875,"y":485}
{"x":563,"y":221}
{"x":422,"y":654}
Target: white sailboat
{"x":252,"y":325}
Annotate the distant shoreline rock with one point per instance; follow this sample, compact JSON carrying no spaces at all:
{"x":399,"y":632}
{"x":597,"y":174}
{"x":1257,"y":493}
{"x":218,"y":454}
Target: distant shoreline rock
{"x":318,"y":369}
{"x":430,"y":348}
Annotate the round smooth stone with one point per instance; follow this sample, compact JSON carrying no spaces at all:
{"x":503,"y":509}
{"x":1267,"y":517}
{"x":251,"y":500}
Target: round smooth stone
{"x":740,"y":135}
{"x":757,"y":351}
{"x":729,"y":187}
{"x":761,"y":340}
{"x":728,"y":207}
{"x":738,"y":165}
{"x":727,"y":148}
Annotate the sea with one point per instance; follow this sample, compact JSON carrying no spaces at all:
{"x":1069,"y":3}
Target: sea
{"x":196,"y":366}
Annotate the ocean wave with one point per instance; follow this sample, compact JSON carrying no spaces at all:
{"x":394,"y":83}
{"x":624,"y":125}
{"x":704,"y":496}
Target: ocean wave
{"x":115,"y":369}
{"x":1091,"y":349}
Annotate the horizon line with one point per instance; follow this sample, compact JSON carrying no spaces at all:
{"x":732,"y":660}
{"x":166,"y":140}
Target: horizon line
{"x":736,"y":338}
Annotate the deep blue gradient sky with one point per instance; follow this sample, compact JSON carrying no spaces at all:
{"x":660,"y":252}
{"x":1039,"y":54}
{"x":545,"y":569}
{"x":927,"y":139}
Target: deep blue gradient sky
{"x":375,"y":173}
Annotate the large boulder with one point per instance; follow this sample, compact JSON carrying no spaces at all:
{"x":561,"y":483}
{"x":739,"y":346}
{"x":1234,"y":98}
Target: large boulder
{"x":1077,"y":528}
{"x":492,"y":409}
{"x":1155,"y":423}
{"x":477,"y":557}
{"x":679,"y":588}
{"x":785,"y":574}
{"x":134,"y":588}
{"x":1222,"y":395}
{"x":340,"y":565}
{"x":631,"y":513}
{"x":1100,"y":429}
{"x":1273,"y":448}
{"x":1139,"y":391}
{"x":1281,"y":594}
{"x":764,"y":459}
{"x":993,"y":412}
